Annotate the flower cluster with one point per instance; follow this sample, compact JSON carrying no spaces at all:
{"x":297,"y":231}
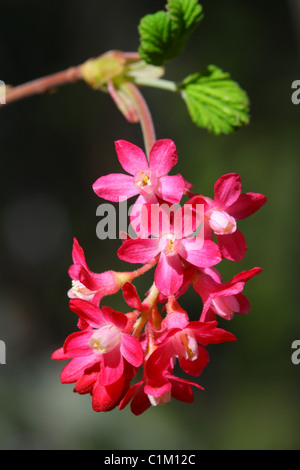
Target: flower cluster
{"x":183,"y":244}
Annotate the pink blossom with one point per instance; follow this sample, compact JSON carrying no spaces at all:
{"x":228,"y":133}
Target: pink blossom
{"x":148,"y":180}
{"x":186,"y":340}
{"x":91,"y":286}
{"x":175,"y":248}
{"x":228,"y":206}
{"x":223,"y":299}
{"x":102,"y":342}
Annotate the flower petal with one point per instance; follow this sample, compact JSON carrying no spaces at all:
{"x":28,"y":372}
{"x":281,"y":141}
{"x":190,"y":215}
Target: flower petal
{"x":77,"y":344}
{"x":182,"y":391}
{"x":208,"y":333}
{"x":158,"y":387}
{"x":129,"y":394}
{"x":140,"y":402}
{"x":118,"y":319}
{"x":60,"y":355}
{"x":159,"y":361}
{"x":88,"y":312}
{"x":131,"y":157}
{"x":206,"y":256}
{"x":246,"y":204}
{"x":170,"y":188}
{"x":139,"y":250}
{"x":76,"y":367}
{"x":163,"y":156}
{"x":131,"y":296}
{"x":112,"y":367}
{"x":78,"y":254}
{"x":105,"y":398}
{"x":195,"y":367}
{"x":115,"y":187}
{"x":132,"y":350}
{"x":246,"y":275}
{"x":232,"y":246}
{"x":87,"y":380}
{"x":168,"y":274}
{"x":244,"y":305}
{"x":227,"y":190}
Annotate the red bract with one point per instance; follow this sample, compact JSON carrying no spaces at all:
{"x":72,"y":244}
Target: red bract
{"x":228,"y":206}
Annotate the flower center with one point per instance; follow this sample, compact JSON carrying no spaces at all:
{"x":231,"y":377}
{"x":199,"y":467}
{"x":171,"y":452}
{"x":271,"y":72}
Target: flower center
{"x":171,"y":244}
{"x":79,"y":291}
{"x":105,"y":339}
{"x":225,"y":306}
{"x":221,"y":222}
{"x":185,"y":345}
{"x":146,"y":181}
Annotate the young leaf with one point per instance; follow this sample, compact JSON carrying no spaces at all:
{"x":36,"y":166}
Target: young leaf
{"x":186,"y":13}
{"x":214,"y":101}
{"x":163,"y":35}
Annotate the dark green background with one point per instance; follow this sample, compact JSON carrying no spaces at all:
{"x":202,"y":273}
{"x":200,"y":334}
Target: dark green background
{"x":53,"y":147}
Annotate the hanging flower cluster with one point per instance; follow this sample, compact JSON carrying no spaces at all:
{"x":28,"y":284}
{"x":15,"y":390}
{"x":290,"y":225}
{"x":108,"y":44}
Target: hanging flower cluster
{"x":183,"y":243}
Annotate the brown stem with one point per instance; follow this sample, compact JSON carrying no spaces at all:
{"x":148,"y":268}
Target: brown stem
{"x":42,"y":85}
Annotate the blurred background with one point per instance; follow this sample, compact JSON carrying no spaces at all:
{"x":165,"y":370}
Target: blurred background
{"x":54,"y":146}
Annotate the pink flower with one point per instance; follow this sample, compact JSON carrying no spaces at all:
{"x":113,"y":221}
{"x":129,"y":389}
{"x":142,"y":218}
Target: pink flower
{"x":228,"y":206}
{"x":102,"y":342}
{"x":148,"y":180}
{"x":222,"y":299}
{"x":91,"y":286}
{"x":175,"y":248}
{"x":186,"y":340}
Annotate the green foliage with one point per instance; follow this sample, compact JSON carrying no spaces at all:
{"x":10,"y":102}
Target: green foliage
{"x":214,"y":101}
{"x":163,"y":35}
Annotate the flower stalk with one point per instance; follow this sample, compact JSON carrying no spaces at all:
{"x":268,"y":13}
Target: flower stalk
{"x":143,"y":113}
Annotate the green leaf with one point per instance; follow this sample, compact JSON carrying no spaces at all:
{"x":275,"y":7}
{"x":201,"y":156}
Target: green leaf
{"x":214,"y":101}
{"x":187,"y":14}
{"x":163,"y":35}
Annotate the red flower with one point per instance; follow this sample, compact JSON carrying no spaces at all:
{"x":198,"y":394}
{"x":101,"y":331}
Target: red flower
{"x":157,"y":388}
{"x":102,"y":342}
{"x":186,"y":340}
